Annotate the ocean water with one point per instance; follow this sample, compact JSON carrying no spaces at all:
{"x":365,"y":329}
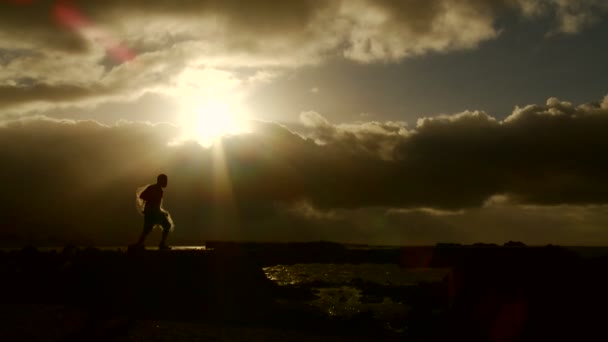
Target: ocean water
{"x":383,"y":274}
{"x":340,"y":289}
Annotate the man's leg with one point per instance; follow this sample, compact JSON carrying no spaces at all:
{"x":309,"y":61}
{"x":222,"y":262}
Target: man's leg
{"x":163,"y":240}
{"x":147,"y":229}
{"x":166,"y":228}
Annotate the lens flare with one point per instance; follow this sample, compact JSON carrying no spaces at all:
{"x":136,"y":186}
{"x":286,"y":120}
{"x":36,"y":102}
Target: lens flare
{"x":67,"y":15}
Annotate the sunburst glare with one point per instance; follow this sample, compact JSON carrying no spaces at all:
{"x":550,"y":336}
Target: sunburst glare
{"x":211,"y":105}
{"x":212,"y":120}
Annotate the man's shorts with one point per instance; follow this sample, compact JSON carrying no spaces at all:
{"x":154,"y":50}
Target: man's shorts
{"x":156,"y":218}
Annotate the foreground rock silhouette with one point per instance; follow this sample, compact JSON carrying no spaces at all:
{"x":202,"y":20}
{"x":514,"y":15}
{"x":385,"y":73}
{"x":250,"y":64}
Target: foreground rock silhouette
{"x":492,"y":293}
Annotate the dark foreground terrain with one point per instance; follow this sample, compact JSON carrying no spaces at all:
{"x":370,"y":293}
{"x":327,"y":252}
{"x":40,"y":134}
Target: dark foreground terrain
{"x":513,"y":293}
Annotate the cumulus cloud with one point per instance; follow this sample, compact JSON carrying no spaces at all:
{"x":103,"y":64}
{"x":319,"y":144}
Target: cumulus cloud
{"x":543,"y":154}
{"x":539,"y":154}
{"x":366,"y":178}
{"x":376,"y":139}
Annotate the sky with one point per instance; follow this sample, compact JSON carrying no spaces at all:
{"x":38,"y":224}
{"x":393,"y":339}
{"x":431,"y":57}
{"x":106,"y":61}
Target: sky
{"x":389,"y":122}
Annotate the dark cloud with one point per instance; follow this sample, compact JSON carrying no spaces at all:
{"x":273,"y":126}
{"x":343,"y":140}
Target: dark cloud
{"x":572,"y":15}
{"x":76,"y":179}
{"x":150,"y":107}
{"x":17,"y":95}
{"x":540,"y":154}
{"x":31,"y":24}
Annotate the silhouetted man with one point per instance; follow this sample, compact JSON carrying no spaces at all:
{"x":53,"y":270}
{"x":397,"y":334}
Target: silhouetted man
{"x":153,"y":212}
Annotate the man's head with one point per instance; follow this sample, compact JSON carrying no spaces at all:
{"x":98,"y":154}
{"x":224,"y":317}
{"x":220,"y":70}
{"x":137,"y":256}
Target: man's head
{"x":162,"y":180}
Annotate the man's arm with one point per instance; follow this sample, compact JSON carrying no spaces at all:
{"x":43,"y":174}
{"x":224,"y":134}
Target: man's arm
{"x":145,"y":194}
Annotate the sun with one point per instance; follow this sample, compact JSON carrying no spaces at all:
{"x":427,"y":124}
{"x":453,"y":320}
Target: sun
{"x":208,"y":122}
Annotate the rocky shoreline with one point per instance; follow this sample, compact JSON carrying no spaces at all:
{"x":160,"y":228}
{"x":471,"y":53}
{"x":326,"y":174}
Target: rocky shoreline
{"x":94,"y":294}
